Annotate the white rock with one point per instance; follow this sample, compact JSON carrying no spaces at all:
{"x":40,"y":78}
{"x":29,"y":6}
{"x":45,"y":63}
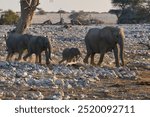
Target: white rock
{"x":59,"y":82}
{"x":25,"y":74}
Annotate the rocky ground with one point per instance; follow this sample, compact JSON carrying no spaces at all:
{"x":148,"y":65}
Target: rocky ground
{"x":27,"y":80}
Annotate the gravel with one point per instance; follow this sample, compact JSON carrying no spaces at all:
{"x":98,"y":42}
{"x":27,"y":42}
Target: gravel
{"x":60,"y":78}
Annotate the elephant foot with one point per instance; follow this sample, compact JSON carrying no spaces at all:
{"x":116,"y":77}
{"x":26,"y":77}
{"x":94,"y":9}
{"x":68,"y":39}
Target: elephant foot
{"x":122,"y":64}
{"x":24,"y":58}
{"x":16,"y":59}
{"x":93,"y":64}
{"x":117,"y":65}
{"x":98,"y":64}
{"x":85,"y":61}
{"x":47,"y":62}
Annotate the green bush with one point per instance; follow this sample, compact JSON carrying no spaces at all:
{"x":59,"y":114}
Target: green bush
{"x":9,"y":18}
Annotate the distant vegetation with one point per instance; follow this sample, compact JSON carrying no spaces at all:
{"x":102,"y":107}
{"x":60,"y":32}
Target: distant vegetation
{"x":62,"y":11}
{"x":41,"y":11}
{"x":132,"y":11}
{"x":83,"y":18}
{"x":8,"y":18}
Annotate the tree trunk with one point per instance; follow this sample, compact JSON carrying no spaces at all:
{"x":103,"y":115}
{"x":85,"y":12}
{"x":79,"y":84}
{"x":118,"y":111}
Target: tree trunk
{"x":27,"y":11}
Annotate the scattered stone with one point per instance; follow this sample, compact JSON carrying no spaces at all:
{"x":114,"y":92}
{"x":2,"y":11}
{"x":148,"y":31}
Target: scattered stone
{"x":59,"y":82}
{"x":73,"y":76}
{"x":35,"y":96}
{"x":139,"y":64}
{"x":40,"y":82}
{"x":4,"y":65}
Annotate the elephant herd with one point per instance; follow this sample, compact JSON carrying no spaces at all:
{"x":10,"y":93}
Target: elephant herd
{"x":96,"y":40}
{"x":17,"y":43}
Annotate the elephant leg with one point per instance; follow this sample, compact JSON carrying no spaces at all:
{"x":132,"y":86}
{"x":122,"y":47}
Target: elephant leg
{"x":101,"y":58}
{"x":47,"y":57}
{"x":40,"y":58}
{"x":122,"y":59}
{"x":37,"y":58}
{"x":20,"y":55}
{"x":122,"y":62}
{"x":92,"y":58}
{"x":116,"y":56}
{"x":9,"y":56}
{"x":26,"y":56}
{"x":61,"y":61}
{"x":69,"y":60}
{"x":77,"y":58}
{"x":86,"y":58}
{"x":74,"y":59}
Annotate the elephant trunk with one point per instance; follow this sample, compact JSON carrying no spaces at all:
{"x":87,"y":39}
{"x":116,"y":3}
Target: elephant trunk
{"x":121,"y":44}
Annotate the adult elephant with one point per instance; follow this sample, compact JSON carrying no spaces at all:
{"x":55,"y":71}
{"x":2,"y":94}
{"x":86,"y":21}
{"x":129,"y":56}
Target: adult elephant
{"x":104,"y":40}
{"x":37,"y":45}
{"x":16,"y":43}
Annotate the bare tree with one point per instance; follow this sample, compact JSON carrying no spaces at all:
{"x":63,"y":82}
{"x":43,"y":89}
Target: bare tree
{"x":27,"y":11}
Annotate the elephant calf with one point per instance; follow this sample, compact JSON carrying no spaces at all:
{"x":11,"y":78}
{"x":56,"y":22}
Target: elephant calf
{"x":104,"y":40}
{"x":70,"y":54}
{"x":16,"y":43}
{"x":37,"y":45}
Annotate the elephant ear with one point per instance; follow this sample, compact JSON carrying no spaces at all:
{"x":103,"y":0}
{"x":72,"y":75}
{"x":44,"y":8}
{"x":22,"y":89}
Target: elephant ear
{"x":116,"y":32}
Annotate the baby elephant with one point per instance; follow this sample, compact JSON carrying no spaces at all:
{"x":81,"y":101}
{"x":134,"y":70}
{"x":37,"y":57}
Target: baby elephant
{"x":37,"y":45}
{"x":70,"y":54}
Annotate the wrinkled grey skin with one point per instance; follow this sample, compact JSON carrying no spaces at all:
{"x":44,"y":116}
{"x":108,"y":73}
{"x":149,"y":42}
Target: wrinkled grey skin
{"x":70,"y":54}
{"x":16,"y":43}
{"x":104,"y":40}
{"x":37,"y":45}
